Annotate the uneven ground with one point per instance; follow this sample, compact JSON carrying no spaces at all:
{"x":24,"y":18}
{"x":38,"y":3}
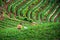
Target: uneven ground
{"x":40,"y":19}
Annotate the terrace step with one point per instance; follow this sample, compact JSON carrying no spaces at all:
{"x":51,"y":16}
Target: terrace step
{"x":53,"y":13}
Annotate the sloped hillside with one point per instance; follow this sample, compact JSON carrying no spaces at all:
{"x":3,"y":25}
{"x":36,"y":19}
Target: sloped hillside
{"x":29,"y":19}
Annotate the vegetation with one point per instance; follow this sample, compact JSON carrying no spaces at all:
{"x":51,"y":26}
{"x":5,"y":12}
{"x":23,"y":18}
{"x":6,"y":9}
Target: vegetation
{"x":29,"y":19}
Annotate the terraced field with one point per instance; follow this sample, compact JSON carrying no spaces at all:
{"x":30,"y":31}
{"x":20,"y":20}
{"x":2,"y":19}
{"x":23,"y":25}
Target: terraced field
{"x":39,"y":19}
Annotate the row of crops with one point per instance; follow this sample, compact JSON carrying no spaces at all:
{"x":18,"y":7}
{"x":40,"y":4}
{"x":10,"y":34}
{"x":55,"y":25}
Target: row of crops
{"x":37,"y":10}
{"x":39,"y":19}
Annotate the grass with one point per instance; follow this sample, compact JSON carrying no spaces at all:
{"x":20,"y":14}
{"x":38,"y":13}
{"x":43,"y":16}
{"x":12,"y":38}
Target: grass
{"x":32,"y":29}
{"x":46,"y":31}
